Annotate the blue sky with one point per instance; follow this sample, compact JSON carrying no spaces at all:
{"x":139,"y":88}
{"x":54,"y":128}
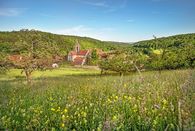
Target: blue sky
{"x":114,"y":20}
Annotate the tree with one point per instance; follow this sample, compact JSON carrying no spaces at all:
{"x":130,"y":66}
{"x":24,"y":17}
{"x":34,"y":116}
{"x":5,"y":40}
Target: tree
{"x":94,"y":57}
{"x":3,"y":63}
{"x":124,"y":61}
{"x":32,"y":54}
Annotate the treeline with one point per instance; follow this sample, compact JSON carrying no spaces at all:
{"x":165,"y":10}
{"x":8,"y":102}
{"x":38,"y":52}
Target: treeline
{"x":176,"y":52}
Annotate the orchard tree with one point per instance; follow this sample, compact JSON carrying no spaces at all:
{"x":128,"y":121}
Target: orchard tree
{"x":3,"y":63}
{"x":33,"y":55}
{"x":123,"y":62}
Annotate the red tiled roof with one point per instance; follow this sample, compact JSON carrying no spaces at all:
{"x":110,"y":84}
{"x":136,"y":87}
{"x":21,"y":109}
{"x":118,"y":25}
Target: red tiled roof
{"x":78,"y":61}
{"x":82,"y":52}
{"x":72,"y":53}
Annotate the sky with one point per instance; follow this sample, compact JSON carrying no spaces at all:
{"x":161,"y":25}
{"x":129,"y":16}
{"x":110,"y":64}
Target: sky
{"x":109,"y":20}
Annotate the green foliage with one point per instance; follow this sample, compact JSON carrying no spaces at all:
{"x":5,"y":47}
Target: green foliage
{"x":93,"y":60}
{"x":34,"y":54}
{"x":123,"y":61}
{"x":3,"y":63}
{"x":175,"y":52}
{"x":64,"y":43}
{"x":172,"y":41}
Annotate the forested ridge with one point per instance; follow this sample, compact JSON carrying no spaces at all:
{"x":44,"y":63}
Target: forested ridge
{"x":64,"y":43}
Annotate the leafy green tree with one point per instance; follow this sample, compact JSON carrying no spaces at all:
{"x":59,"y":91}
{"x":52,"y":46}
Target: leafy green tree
{"x":123,"y":61}
{"x":3,"y":63}
{"x":94,"y":57}
{"x":35,"y":55}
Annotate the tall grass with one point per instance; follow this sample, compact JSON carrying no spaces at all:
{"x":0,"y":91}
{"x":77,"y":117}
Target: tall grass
{"x":156,"y":102}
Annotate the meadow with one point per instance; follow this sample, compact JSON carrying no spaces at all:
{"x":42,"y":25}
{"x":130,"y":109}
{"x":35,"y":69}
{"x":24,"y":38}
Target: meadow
{"x":80,"y":99}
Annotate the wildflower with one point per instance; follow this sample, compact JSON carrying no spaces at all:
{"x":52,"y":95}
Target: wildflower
{"x":63,"y":117}
{"x":109,"y":101}
{"x":58,"y":109}
{"x":129,"y":98}
{"x":62,"y":125}
{"x":116,"y":97}
{"x":164,"y":101}
{"x":114,"y":118}
{"x":84,"y":114}
{"x":65,"y":110}
{"x":125,"y":97}
{"x":90,"y":104}
{"x":52,"y":109}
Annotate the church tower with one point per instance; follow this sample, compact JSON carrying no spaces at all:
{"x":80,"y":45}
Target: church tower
{"x":77,"y":46}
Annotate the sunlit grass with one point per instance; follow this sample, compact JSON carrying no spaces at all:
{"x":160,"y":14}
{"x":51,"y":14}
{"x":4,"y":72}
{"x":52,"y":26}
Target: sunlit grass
{"x":60,"y":72}
{"x":100,"y":102}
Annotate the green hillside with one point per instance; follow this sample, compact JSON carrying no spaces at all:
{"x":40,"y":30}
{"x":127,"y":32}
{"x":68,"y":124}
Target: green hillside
{"x":171,"y":41}
{"x":64,"y":43}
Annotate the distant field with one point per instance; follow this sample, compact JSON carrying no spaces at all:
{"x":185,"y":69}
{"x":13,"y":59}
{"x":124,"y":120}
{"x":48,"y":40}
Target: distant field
{"x":60,"y":72}
{"x":62,"y":101}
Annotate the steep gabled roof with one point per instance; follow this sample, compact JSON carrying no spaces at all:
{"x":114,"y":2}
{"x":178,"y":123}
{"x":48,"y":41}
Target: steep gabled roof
{"x":72,"y":53}
{"x":82,"y":52}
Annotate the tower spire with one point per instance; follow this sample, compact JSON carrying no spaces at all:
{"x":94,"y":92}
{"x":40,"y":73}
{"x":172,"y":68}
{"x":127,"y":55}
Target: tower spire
{"x":77,"y":46}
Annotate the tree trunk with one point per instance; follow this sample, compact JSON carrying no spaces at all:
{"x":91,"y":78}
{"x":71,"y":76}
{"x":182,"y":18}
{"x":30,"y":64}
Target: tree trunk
{"x":28,"y":76}
{"x":102,"y":71}
{"x":137,"y":70}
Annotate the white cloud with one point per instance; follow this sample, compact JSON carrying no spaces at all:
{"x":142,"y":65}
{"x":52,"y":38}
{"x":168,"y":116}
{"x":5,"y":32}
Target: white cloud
{"x":99,"y":4}
{"x":105,"y":33}
{"x":77,"y":30}
{"x":11,"y":11}
{"x":94,"y":3}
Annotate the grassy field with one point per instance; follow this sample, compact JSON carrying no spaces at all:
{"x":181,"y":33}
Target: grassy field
{"x":62,"y":101}
{"x":60,"y":72}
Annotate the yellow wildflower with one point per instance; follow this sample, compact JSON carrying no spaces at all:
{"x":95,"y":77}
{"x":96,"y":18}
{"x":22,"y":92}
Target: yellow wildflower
{"x":164,"y":101}
{"x":114,"y":118}
{"x":116,"y":97}
{"x":63,"y":117}
{"x":62,"y":125}
{"x":52,"y":109}
{"x":65,"y":110}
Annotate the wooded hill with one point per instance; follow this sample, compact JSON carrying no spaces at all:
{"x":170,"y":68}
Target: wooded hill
{"x":65,"y":43}
{"x":171,"y":41}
